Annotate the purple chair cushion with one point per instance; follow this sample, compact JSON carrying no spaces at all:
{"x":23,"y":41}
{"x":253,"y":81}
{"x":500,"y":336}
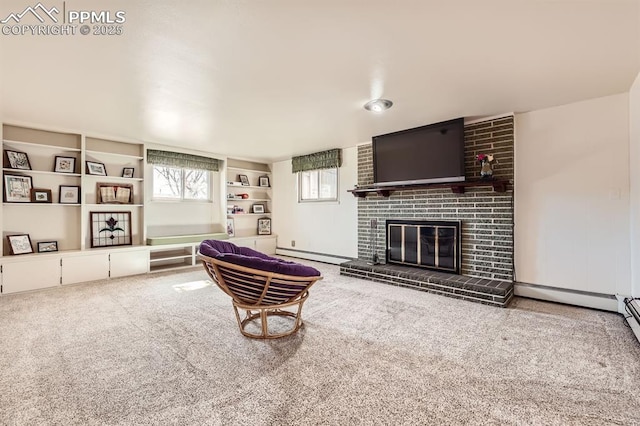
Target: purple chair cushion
{"x":249,"y":258}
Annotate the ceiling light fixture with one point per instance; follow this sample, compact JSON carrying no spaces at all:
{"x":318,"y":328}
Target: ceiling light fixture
{"x":378,"y":105}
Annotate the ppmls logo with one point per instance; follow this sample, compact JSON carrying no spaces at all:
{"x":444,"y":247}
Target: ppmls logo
{"x":40,"y":20}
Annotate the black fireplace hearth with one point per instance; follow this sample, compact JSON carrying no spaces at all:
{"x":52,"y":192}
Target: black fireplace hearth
{"x":427,"y":244}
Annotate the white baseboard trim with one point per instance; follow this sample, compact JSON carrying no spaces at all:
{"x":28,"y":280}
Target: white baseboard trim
{"x":308,"y":255}
{"x":600,"y":301}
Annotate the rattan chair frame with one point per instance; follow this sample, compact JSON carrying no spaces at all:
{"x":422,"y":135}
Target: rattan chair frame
{"x":269,"y":303}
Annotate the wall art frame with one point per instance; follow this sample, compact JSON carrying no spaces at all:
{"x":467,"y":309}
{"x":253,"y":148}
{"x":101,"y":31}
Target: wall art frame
{"x":110,"y":229}
{"x":17,"y":189}
{"x":64,"y":164}
{"x":20,"y":244}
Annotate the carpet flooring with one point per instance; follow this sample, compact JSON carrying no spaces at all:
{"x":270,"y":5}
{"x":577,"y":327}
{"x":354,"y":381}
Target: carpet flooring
{"x":164,"y":349}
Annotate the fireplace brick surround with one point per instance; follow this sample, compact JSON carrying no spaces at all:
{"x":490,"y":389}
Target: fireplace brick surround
{"x":486,"y":216}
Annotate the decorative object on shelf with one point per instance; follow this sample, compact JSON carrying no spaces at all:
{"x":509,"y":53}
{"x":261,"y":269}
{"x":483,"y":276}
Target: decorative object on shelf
{"x":94,"y":168}
{"x":20,"y":244}
{"x":65,"y":164}
{"x":17,"y":160}
{"x":264,"y":226}
{"x":244,"y":196}
{"x":110,"y":229}
{"x":485,"y":160}
{"x":264,"y":181}
{"x":47,"y":246}
{"x":17,"y":189}
{"x":40,"y":195}
{"x":257,"y":208}
{"x":127,"y":172}
{"x":231,"y":229}
{"x":108,"y":193}
{"x":244,"y":179}
{"x":69,"y":194}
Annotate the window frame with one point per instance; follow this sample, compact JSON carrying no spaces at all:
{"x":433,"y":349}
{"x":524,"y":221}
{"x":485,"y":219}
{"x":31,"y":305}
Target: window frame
{"x":182,"y":199}
{"x":319,"y":200}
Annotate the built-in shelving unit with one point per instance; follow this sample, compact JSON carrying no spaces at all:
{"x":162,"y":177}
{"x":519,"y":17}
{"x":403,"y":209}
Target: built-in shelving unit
{"x":174,"y":256}
{"x":498,"y":185}
{"x":66,"y":223}
{"x":244,"y":215}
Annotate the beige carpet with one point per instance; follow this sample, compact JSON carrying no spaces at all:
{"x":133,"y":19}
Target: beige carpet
{"x":165,"y":349}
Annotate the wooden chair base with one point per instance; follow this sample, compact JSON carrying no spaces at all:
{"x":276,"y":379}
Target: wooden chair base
{"x":259,"y":315}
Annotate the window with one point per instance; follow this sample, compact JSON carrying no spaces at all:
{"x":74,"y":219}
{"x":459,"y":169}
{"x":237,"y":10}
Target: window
{"x":318,"y":185}
{"x":177,"y":183}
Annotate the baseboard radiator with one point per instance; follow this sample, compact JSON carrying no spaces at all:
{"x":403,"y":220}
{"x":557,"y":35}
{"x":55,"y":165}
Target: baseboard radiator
{"x":632,"y":306}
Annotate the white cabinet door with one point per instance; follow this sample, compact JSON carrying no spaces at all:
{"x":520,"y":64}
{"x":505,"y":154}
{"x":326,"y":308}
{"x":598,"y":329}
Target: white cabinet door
{"x":126,"y":263}
{"x":266,"y":245}
{"x":245,"y":242}
{"x":30,"y":275}
{"x":81,"y":268}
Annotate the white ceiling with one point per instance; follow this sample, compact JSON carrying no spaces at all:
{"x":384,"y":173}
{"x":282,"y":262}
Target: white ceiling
{"x":271,"y":79}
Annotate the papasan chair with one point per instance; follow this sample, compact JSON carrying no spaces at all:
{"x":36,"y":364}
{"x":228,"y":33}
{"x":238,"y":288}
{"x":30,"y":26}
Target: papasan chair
{"x":261,"y":285}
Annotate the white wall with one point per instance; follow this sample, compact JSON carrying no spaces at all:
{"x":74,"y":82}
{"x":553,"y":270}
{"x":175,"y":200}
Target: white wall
{"x":572,"y":196}
{"x":164,"y":218}
{"x":634,"y":166}
{"x":325,"y":227}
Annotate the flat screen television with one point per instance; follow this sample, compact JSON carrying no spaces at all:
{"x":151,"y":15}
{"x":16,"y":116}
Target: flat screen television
{"x":427,"y":154}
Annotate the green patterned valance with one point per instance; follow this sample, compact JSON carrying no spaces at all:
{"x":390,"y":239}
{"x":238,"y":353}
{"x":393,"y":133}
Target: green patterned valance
{"x":179,"y":159}
{"x":319,"y":160}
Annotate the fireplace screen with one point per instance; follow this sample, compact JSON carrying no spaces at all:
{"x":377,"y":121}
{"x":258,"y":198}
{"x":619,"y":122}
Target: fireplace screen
{"x":427,"y":244}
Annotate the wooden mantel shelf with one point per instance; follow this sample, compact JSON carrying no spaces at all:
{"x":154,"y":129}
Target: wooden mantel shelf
{"x":499,"y":185}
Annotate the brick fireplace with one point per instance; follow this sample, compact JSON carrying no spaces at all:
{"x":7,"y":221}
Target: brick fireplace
{"x":486,"y":216}
{"x":427,"y":244}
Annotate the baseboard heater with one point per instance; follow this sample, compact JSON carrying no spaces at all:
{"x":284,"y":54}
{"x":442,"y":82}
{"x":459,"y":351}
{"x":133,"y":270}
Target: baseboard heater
{"x":632,"y":306}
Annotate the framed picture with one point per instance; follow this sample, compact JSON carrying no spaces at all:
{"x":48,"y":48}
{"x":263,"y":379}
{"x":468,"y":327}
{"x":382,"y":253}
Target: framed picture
{"x":47,"y":246}
{"x":40,"y":195}
{"x":69,"y":194}
{"x":94,"y":168}
{"x":17,"y":189}
{"x":264,"y":181}
{"x":110,"y":229}
{"x":17,"y":160}
{"x":65,"y":164}
{"x":108,"y":193}
{"x":20,"y":244}
{"x":257,"y":208}
{"x":127,"y":172}
{"x":231,"y":230}
{"x":244,"y":179}
{"x":264,"y":226}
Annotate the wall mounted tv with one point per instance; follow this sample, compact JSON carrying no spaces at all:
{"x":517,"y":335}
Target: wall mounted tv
{"x":427,"y":154}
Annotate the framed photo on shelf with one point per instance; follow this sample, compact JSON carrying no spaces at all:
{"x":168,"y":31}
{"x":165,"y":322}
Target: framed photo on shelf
{"x":231,"y":230}
{"x":110,"y":229}
{"x":17,"y":189}
{"x":17,"y":160}
{"x":94,"y":168}
{"x":47,"y":246}
{"x":257,"y":208}
{"x":20,"y":244}
{"x":244,"y":179}
{"x":40,"y":195}
{"x":64,"y":164}
{"x":127,"y":172}
{"x":264,"y":181}
{"x":69,"y":194}
{"x":108,"y":193}
{"x":264,"y":226}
